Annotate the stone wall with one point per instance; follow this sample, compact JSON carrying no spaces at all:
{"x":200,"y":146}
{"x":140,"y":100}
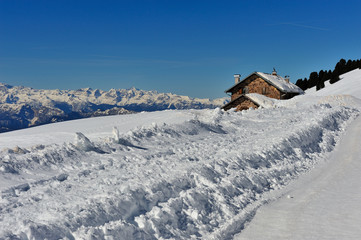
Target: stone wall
{"x":246,"y":104}
{"x":255,"y":84}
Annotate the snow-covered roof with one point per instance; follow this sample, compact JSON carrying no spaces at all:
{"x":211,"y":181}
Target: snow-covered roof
{"x":280,"y":83}
{"x":277,"y":81}
{"x":258,"y":99}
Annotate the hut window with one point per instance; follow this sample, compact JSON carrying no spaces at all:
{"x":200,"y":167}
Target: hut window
{"x":245,"y":90}
{"x":264,"y":91}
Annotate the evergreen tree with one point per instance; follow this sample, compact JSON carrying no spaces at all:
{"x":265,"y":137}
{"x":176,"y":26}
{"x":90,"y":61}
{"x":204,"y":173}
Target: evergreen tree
{"x":321,"y":80}
{"x":299,"y":83}
{"x":326,"y":76}
{"x":312,"y":81}
{"x":302,"y":84}
{"x":341,"y":65}
{"x":334,"y":78}
{"x":321,"y":74}
{"x":329,"y":75}
{"x":305,"y":82}
{"x":349,"y":65}
{"x":339,"y":69}
{"x":358,"y":63}
{"x":320,"y":85}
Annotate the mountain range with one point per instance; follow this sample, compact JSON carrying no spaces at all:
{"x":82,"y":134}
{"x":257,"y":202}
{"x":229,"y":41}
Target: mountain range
{"x":22,"y":107}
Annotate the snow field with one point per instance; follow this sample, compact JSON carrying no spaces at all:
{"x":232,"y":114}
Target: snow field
{"x":322,"y":204}
{"x":203,"y":178}
{"x":349,"y":84}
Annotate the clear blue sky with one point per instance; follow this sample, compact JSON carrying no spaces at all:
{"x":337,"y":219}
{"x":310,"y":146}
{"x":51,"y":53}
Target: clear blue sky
{"x":185,"y":47}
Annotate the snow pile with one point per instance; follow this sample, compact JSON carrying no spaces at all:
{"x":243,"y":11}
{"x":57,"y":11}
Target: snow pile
{"x":201,"y":178}
{"x":262,"y":100}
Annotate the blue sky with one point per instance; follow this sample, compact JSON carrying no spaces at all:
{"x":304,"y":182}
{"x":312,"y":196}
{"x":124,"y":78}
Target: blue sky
{"x":185,"y":47}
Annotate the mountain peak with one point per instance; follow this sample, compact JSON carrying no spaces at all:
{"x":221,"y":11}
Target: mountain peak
{"x":47,"y":105}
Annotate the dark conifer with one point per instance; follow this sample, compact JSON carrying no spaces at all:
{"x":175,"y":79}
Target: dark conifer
{"x":320,"y":85}
{"x":349,"y":65}
{"x":312,"y":81}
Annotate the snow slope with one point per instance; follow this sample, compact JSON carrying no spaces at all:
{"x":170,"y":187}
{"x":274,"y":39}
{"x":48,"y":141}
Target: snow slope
{"x":324,"y":204}
{"x":201,"y":177}
{"x":93,"y":128}
{"x":348,"y":85}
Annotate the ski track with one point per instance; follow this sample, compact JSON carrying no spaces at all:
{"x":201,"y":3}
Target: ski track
{"x":201,"y":179}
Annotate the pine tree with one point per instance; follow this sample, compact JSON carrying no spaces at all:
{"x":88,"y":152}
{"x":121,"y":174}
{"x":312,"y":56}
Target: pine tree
{"x":339,"y":69}
{"x":349,"y":65}
{"x":320,"y":85}
{"x":312,"y":80}
{"x":302,"y":84}
{"x":299,"y":83}
{"x":326,"y":76}
{"x":329,"y":75}
{"x":341,"y":65}
{"x":321,"y":80}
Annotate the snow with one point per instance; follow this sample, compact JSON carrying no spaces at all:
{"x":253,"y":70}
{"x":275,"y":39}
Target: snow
{"x":324,"y":204}
{"x":76,"y":100}
{"x":262,"y":100}
{"x":280,"y":83}
{"x":187,"y":174}
{"x":93,"y":128}
{"x":22,"y":107}
{"x":276,"y":81}
{"x":188,"y":179}
{"x":348,"y":85}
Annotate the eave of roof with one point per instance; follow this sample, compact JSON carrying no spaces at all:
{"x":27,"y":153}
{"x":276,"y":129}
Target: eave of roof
{"x":235,"y":85}
{"x":236,"y":99}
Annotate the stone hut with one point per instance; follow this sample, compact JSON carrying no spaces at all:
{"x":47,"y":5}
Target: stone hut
{"x":269,"y":85}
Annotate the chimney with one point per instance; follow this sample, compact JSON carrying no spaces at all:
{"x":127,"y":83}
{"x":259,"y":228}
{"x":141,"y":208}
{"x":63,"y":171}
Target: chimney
{"x":274,"y":73}
{"x":287,"y":78}
{"x":237,"y":78}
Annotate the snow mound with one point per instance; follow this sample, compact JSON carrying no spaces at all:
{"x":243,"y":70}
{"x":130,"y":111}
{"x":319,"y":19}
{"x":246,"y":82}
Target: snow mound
{"x":81,"y":142}
{"x":262,"y":100}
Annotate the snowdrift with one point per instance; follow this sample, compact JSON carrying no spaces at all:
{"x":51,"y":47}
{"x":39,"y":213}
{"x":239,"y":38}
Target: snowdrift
{"x":203,"y":178}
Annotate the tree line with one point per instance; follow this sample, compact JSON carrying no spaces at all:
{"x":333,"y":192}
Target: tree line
{"x":318,"y":78}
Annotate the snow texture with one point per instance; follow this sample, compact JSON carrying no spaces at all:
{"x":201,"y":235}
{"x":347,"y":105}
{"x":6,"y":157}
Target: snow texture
{"x":191,"y":174}
{"x":202,"y":178}
{"x":262,"y":100}
{"x":324,"y":204}
{"x":348,"y":85}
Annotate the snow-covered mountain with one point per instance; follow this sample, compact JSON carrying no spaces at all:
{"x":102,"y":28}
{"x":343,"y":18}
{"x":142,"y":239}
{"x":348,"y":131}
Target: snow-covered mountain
{"x":173,"y":174}
{"x":22,"y":106}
